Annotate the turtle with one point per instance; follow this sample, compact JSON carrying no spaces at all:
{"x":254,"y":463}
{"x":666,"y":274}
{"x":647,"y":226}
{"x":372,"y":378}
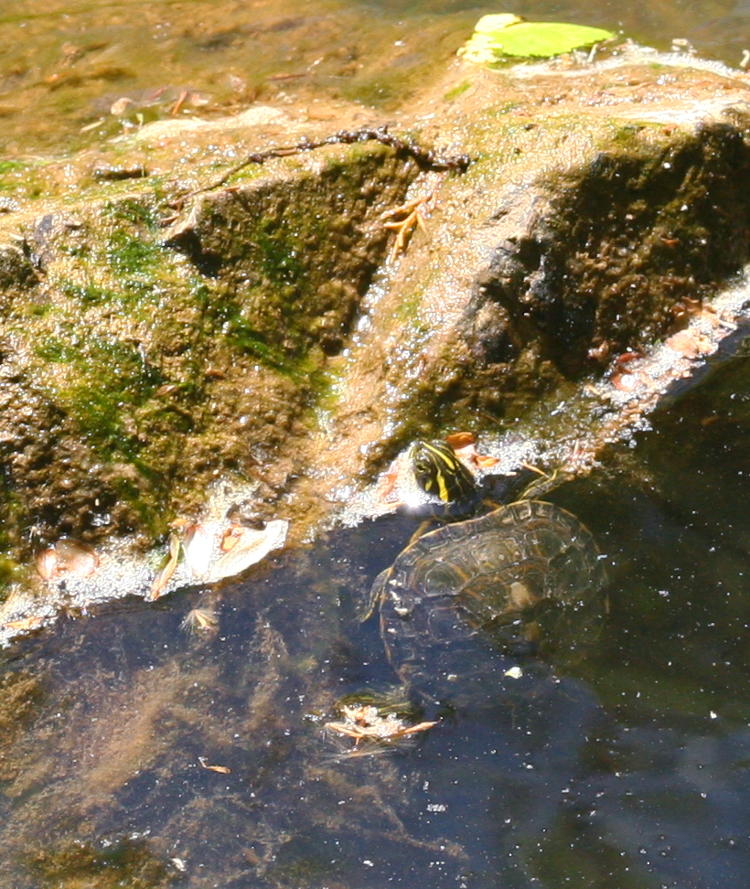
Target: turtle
{"x":481,"y":581}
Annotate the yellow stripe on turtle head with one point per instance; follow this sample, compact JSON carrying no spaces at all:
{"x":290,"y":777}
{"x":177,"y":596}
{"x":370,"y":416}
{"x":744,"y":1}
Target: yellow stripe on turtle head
{"x":436,"y":464}
{"x":443,"y":492}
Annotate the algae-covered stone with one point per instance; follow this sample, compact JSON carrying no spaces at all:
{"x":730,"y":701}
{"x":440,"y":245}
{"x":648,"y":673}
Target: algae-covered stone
{"x":144,"y":364}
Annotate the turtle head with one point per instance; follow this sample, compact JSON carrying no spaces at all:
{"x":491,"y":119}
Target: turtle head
{"x":439,"y":472}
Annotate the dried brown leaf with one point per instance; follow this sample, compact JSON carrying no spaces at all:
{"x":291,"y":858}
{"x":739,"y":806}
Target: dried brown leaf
{"x":75,"y":558}
{"x":169,"y":564}
{"x":485,"y":461}
{"x":66,"y":556}
{"x":460,"y":439}
{"x":252,"y":546}
{"x":198,"y":547}
{"x":46,"y":563}
{"x":25,"y":623}
{"x":230,"y":537}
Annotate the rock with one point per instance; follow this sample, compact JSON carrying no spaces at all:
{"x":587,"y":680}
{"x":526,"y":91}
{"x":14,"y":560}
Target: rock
{"x":262,"y":333}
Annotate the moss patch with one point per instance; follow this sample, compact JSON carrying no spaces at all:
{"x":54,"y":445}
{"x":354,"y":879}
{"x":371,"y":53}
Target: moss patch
{"x":126,"y":862}
{"x":152,"y":375}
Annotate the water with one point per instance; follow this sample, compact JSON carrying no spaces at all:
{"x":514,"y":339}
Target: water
{"x":74,"y":73}
{"x":626,"y":767}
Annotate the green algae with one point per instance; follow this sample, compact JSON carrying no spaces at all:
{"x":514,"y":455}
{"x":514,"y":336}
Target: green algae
{"x":134,"y":350}
{"x":92,"y":355}
{"x":457,"y":90}
{"x":109,"y":377}
{"x":90,"y":294}
{"x":228,"y":320}
{"x":123,"y":266}
{"x":125,"y":861}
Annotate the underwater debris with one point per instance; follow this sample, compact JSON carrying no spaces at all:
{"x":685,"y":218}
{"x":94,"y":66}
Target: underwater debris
{"x":200,"y":620}
{"x":222,"y":770}
{"x":365,"y":722}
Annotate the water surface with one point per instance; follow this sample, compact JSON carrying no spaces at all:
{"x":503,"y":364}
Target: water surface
{"x":626,"y":765}
{"x":75,"y":72}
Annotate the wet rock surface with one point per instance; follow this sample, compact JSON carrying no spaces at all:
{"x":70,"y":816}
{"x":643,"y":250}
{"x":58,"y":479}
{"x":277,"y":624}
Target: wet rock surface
{"x":147,"y":362}
{"x":160,"y":335}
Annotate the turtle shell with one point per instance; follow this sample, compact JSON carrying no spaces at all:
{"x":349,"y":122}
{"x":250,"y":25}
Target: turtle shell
{"x":481,"y":581}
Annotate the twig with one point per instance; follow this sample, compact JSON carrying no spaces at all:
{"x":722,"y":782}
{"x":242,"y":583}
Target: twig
{"x":425,"y":158}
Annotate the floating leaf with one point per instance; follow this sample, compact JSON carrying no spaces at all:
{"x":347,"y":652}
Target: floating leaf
{"x":496,"y":37}
{"x":251,"y":546}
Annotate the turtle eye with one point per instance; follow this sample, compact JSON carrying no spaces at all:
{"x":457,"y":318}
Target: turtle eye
{"x":439,"y":472}
{"x":423,"y":464}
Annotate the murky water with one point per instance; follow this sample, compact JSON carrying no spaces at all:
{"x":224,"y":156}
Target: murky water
{"x":626,"y":767}
{"x":76,"y":72}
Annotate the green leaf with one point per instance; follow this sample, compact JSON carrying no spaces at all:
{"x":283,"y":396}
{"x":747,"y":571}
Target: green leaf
{"x":499,"y":36}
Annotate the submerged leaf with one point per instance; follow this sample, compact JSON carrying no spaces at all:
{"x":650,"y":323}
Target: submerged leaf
{"x":498,"y":36}
{"x":200,"y":620}
{"x":251,"y":546}
{"x":222,"y":770}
